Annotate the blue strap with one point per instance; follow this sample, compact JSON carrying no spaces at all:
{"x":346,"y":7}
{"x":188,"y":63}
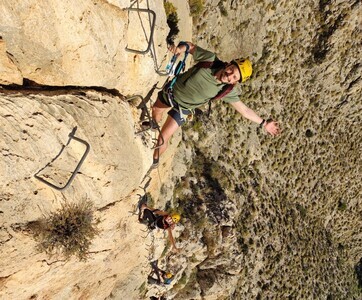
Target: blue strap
{"x":171,"y":63}
{"x":181,"y":65}
{"x":179,"y":68}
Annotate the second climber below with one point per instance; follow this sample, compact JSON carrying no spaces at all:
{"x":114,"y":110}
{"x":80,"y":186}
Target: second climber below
{"x":156,"y":218}
{"x":209,"y":79}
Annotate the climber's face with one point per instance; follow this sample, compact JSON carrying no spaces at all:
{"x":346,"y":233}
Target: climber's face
{"x":229,"y":75}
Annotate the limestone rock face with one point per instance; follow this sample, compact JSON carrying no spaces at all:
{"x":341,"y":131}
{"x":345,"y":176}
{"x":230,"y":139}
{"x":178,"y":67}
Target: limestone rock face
{"x":9,"y":73}
{"x":34,"y":127}
{"x":83,"y":44}
{"x":77,"y":45}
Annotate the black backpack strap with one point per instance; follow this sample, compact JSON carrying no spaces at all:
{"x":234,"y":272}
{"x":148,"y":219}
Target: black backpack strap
{"x":216,"y":64}
{"x":209,"y":110}
{"x":226,"y":89}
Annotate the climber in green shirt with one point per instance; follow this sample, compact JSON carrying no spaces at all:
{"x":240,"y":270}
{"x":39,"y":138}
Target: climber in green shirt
{"x":209,"y":79}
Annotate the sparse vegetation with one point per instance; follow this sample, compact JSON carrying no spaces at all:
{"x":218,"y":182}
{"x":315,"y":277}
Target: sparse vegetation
{"x":143,"y":290}
{"x":215,"y":41}
{"x":70,"y":230}
{"x":196,"y":7}
{"x":210,"y":238}
{"x":166,"y":249}
{"x":342,"y":205}
{"x":222,"y":8}
{"x":189,"y":286}
{"x":358,"y":269}
{"x":181,"y":282}
{"x":172,"y":22}
{"x":150,"y":201}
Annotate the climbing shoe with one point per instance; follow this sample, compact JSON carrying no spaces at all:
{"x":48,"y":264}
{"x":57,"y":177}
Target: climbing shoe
{"x":141,"y":207}
{"x":155,"y":163}
{"x":150,"y":125}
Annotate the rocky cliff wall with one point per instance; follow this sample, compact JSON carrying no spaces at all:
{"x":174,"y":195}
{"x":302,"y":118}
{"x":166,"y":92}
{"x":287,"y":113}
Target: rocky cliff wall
{"x":34,"y":129}
{"x":82,"y":44}
{"x":51,"y":54}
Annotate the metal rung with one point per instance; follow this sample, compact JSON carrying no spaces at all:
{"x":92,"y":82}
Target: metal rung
{"x":71,"y":137}
{"x":152,"y":27}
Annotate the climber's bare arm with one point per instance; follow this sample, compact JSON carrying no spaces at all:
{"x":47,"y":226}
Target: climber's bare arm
{"x":271,"y":126}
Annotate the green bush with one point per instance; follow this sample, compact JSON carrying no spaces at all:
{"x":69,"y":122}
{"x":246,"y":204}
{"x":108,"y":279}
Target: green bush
{"x":172,"y":22}
{"x":69,"y":230}
{"x":196,"y":7}
{"x":169,"y":8}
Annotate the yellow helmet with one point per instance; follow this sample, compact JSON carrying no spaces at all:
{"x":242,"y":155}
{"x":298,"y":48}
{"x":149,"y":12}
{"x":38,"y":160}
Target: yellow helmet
{"x":168,"y":277}
{"x":175,"y":217}
{"x":245,"y":68}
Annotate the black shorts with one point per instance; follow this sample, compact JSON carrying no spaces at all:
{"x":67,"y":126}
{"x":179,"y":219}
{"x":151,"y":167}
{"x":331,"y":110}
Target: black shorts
{"x":174,"y":113}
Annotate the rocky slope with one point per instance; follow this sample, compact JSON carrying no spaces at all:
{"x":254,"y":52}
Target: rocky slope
{"x":287,"y":217}
{"x":263,"y":218}
{"x":64,"y":66}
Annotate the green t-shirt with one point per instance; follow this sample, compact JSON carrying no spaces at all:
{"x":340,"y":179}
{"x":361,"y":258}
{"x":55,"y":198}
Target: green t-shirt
{"x":201,"y":86}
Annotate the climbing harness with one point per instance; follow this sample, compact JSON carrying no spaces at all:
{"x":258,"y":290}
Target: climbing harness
{"x":175,"y":70}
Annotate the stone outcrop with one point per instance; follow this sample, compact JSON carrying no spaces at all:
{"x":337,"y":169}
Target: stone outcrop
{"x":34,"y":129}
{"x":76,"y":45}
{"x":83,"y":44}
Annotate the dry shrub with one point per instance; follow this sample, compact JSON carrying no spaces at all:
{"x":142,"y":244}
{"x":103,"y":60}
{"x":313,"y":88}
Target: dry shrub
{"x":70,"y":230}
